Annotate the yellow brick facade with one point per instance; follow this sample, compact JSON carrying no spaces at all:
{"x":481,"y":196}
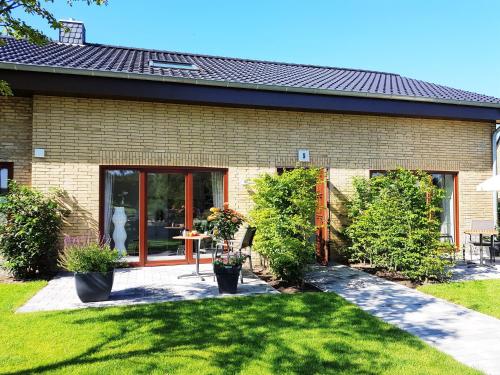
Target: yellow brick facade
{"x":80,"y":134}
{"x":15,"y":135}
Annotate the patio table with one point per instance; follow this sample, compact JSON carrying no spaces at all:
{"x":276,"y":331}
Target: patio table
{"x":483,"y":232}
{"x":198,"y":237}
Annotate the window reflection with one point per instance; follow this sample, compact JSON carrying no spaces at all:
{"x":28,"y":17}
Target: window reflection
{"x":121,"y":211}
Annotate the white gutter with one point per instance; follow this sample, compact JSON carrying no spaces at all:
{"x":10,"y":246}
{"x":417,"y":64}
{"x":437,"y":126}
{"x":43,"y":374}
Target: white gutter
{"x":218,"y":83}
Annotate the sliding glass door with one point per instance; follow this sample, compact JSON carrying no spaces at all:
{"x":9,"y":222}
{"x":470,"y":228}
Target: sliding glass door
{"x":166,"y":216}
{"x":143,"y":209}
{"x":121,"y":212}
{"x":208,"y":191}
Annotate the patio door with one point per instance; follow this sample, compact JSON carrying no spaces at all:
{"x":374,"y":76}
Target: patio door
{"x":165,"y":216}
{"x":144,"y":208}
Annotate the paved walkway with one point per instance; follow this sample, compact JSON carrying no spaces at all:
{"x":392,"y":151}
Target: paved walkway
{"x":470,"y":337}
{"x":141,"y":285}
{"x":472,"y":271}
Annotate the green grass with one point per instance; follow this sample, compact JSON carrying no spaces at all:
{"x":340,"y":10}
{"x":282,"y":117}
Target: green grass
{"x":310,"y":333}
{"x":482,"y":296}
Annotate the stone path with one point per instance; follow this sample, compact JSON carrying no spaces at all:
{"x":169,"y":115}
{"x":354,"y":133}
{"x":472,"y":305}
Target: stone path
{"x":141,"y":285}
{"x":472,"y":271}
{"x":470,"y":337}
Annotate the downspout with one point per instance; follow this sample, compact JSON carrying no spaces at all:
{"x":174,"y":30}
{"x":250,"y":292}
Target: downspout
{"x":494,"y":144}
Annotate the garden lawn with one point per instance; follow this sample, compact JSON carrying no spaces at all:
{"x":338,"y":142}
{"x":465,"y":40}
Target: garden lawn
{"x":303,"y":333}
{"x":482,"y":295}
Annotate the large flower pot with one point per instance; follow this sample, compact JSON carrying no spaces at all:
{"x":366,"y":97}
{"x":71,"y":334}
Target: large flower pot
{"x":94,"y":286}
{"x":227,"y":278}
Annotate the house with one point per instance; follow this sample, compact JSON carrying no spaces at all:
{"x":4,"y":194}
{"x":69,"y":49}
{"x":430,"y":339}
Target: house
{"x":147,"y":141}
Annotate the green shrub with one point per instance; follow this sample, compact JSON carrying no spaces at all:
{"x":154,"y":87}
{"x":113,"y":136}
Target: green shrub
{"x":283,"y":214}
{"x":395,"y":224}
{"x":91,"y":257}
{"x":29,"y":232}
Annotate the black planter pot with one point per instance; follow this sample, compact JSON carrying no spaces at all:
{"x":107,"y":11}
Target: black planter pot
{"x":227,"y":278}
{"x":94,"y":286}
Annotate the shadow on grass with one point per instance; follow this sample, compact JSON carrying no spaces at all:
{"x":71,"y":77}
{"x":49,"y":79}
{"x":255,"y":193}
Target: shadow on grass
{"x":309,"y":333}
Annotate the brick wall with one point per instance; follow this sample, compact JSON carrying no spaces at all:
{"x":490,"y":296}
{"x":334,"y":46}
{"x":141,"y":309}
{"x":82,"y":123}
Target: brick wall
{"x":79,"y":134}
{"x":15,"y":135}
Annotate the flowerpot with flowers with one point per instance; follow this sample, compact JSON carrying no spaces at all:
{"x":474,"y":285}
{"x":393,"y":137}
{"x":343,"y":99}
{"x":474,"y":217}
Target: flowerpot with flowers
{"x":227,"y":271}
{"x":93,"y":264}
{"x":224,"y":223}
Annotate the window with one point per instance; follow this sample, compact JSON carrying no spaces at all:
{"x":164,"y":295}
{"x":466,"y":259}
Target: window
{"x":172,"y":65}
{"x":6,"y":174}
{"x":444,"y":181}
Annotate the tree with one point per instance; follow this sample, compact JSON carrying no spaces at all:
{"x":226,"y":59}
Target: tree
{"x":283,"y":212}
{"x":19,"y":29}
{"x":395,"y":224}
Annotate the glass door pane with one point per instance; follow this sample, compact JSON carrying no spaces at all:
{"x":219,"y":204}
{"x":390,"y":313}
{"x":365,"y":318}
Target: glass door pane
{"x":446,"y":181}
{"x":165,"y":216}
{"x":4,"y":175}
{"x":121,"y":211}
{"x":208,"y":192}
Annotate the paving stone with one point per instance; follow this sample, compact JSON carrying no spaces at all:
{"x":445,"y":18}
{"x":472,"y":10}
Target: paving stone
{"x":469,"y":336}
{"x":473,"y":271}
{"x":141,"y":285}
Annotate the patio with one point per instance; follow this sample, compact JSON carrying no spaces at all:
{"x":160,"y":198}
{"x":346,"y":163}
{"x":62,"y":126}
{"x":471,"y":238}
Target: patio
{"x":139,"y":286}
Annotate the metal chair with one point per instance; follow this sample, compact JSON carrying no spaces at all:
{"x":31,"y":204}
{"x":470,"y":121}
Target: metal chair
{"x":478,"y":239}
{"x":245,"y":247}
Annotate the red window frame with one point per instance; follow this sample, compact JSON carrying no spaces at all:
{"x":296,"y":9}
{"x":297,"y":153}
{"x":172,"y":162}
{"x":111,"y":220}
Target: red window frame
{"x":10,"y":169}
{"x":143,"y":170}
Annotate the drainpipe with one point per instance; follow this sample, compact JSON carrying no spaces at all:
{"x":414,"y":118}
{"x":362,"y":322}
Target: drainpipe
{"x":494,"y":144}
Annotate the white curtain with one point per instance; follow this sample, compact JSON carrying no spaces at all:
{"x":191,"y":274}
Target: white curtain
{"x":108,"y":204}
{"x":447,"y":215}
{"x":217,"y":189}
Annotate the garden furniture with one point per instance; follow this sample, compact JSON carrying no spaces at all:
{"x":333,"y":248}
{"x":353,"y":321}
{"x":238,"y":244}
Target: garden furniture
{"x":244,"y":247}
{"x":196,"y":239}
{"x":479,"y":229}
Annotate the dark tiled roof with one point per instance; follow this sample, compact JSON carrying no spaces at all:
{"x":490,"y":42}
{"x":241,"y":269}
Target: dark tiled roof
{"x":214,"y":70}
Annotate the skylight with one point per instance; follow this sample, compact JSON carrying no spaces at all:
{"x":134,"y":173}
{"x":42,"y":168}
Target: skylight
{"x":171,"y":65}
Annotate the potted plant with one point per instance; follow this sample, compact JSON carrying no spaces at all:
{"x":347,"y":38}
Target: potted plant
{"x":93,"y":265}
{"x":224,"y":224}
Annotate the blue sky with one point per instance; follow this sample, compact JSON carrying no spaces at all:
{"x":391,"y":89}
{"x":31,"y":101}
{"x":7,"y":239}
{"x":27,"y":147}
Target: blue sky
{"x":451,"y":42}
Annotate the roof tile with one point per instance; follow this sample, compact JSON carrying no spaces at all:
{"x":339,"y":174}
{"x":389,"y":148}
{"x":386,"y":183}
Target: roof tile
{"x":213,"y":68}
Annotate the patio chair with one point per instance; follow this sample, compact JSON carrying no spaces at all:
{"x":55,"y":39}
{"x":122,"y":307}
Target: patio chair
{"x":478,"y":226}
{"x":209,"y":246}
{"x":245,"y":247}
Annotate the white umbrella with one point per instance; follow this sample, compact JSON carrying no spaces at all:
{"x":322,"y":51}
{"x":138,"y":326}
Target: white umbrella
{"x":491,"y":184}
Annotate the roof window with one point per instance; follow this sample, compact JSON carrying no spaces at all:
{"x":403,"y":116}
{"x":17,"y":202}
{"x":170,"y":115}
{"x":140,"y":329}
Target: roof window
{"x":172,"y":65}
